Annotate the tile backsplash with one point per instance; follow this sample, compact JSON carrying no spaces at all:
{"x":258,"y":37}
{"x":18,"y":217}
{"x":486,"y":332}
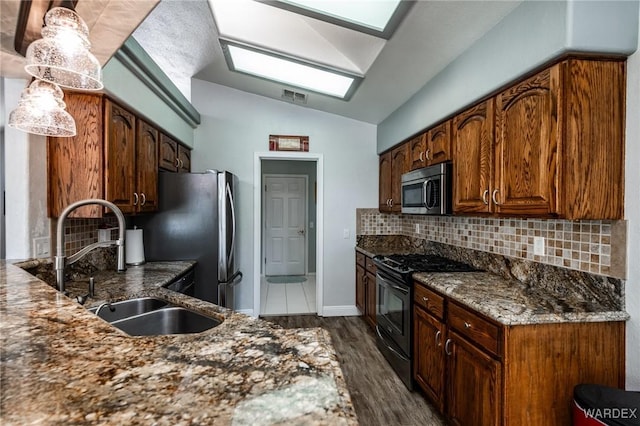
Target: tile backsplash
{"x":594,"y":246}
{"x":79,"y":233}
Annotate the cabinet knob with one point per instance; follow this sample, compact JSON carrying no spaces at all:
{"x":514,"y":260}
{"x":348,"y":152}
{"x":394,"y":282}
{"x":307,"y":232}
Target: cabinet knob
{"x":144,"y":199}
{"x":467,"y":325}
{"x":425,"y":299}
{"x":135,"y":199}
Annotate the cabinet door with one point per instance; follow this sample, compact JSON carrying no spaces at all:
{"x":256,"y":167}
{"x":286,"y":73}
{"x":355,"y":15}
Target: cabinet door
{"x":474,"y":388}
{"x":439,"y":143}
{"x":473,"y":147}
{"x":428,"y":356}
{"x":168,"y":158}
{"x":528,"y":126}
{"x":360,"y":289}
{"x":399,"y":165}
{"x":384,"y":182}
{"x":417,"y":149}
{"x":371,"y":298}
{"x":120,"y":141}
{"x":146,"y":167}
{"x":184,"y":159}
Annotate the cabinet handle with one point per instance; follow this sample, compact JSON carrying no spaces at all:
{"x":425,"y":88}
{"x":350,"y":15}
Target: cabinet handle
{"x":135,"y":198}
{"x":427,"y":154}
{"x":493,"y":197}
{"x":467,"y":325}
{"x":177,"y":163}
{"x":485,"y":197}
{"x":438,"y":334}
{"x":391,"y":202}
{"x":425,"y":299}
{"x":181,"y":163}
{"x":446,"y":347}
{"x":421,"y":159}
{"x":144,"y":199}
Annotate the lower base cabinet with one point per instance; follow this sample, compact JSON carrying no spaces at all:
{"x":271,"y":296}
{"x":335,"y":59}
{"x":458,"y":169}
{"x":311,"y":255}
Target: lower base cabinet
{"x":478,"y":372}
{"x":366,"y":288}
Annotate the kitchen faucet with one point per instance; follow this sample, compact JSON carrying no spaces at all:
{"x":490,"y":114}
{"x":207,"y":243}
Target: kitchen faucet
{"x":61,"y":260}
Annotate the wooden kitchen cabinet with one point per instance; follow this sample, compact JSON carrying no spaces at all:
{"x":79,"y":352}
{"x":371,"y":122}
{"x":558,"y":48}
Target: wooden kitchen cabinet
{"x":473,"y":158}
{"x":366,"y":288}
{"x":557,"y":148}
{"x":399,"y":166}
{"x":487,"y":373}
{"x":173,"y":157}
{"x":438,"y":144}
{"x":110,"y":158}
{"x":417,"y":149}
{"x":384,"y":182}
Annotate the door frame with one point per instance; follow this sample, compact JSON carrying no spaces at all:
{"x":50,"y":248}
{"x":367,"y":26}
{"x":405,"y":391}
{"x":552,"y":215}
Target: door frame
{"x":306,"y":217}
{"x":257,"y":220}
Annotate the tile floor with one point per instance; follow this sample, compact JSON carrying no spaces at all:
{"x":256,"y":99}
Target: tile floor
{"x":288,"y":299}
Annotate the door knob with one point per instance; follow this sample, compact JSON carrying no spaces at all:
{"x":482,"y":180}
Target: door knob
{"x":301,"y":231}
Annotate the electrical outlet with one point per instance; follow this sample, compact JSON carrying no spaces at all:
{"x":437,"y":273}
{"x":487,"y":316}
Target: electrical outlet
{"x":41,"y":247}
{"x":538,"y":246}
{"x":345,"y":234}
{"x":417,"y":228}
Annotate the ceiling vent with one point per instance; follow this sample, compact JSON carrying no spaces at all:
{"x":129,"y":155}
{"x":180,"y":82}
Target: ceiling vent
{"x":295,"y":97}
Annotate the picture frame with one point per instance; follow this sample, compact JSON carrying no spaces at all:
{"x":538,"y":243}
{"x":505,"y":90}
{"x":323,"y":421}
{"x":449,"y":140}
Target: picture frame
{"x":288,"y":143}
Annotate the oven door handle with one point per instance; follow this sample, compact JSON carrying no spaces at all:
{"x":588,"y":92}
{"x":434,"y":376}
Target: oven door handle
{"x":404,"y":358}
{"x":388,"y":283}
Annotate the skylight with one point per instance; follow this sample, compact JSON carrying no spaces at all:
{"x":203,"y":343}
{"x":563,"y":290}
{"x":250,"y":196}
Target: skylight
{"x":375,"y":17}
{"x":279,"y":68}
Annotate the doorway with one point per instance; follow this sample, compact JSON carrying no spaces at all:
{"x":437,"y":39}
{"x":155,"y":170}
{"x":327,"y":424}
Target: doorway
{"x":287,"y":233}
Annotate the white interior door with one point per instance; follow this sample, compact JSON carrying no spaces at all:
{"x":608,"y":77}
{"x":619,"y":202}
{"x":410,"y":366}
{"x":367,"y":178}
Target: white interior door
{"x":285,"y":233}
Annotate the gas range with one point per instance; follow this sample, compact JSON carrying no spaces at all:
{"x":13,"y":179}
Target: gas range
{"x":403,"y":265}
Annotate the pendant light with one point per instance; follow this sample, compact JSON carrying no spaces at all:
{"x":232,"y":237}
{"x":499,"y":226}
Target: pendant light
{"x":62,"y":56}
{"x":41,"y":111}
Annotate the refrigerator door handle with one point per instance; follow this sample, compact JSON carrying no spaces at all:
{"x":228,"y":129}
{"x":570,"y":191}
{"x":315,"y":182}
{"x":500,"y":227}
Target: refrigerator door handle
{"x":233,"y":227}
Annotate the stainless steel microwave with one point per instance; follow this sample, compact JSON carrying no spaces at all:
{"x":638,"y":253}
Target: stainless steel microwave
{"x":428,"y":190}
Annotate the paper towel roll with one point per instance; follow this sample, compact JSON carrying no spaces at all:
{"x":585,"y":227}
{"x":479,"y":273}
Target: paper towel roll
{"x":134,"y":247}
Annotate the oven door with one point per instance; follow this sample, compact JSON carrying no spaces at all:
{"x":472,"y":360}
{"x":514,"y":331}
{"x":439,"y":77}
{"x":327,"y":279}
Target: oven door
{"x":393,"y":313}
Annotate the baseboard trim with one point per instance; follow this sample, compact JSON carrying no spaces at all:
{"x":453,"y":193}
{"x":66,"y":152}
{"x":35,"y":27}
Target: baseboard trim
{"x":340,"y":311}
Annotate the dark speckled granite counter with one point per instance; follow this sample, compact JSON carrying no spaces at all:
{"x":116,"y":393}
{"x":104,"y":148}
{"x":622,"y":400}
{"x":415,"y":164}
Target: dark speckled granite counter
{"x":512,"y":291}
{"x":61,"y":364}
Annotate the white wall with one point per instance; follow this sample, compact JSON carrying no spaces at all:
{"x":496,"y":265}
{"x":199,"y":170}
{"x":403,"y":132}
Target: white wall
{"x":236,"y":124}
{"x":632,"y":213}
{"x":25,"y":170}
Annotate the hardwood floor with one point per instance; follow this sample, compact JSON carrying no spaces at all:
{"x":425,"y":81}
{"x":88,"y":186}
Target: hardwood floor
{"x":378,"y":395}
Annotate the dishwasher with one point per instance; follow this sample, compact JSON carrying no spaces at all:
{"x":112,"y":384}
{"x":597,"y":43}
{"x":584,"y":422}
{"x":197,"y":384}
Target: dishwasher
{"x":184,"y":283}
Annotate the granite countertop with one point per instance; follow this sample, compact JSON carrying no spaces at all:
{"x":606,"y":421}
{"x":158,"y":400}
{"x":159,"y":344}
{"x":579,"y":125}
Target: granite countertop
{"x":61,"y":364}
{"x":545,"y":294}
{"x":510,"y":302}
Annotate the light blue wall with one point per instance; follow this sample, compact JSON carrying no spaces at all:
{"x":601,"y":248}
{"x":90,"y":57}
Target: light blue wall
{"x":307,"y":168}
{"x":534,"y":33}
{"x":126,"y":87}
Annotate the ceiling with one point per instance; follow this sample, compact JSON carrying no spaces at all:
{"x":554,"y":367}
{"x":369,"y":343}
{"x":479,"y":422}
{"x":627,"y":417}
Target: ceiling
{"x":182,"y":38}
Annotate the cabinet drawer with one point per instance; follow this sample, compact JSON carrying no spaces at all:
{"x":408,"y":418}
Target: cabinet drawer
{"x":428,"y":300}
{"x":360,"y":259}
{"x":475,"y":328}
{"x":370,"y":266}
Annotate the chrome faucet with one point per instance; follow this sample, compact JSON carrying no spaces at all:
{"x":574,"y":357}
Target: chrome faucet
{"x":61,"y":260}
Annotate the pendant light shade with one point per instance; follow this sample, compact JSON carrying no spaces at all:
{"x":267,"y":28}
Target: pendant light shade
{"x":62,"y":56}
{"x":41,"y":111}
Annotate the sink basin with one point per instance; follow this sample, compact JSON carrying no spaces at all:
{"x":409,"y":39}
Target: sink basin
{"x":170,"y":320}
{"x":129,"y":308}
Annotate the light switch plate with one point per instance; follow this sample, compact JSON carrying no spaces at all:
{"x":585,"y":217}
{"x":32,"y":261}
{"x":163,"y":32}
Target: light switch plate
{"x":41,"y":247}
{"x":417,"y":228}
{"x":538,"y":246}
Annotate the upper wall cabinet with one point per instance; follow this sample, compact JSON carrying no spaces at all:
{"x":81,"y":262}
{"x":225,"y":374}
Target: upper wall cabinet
{"x":113,"y":157}
{"x":557,"y":148}
{"x":384,"y":182}
{"x":438,"y":144}
{"x":392,"y":165}
{"x":417,"y":149}
{"x":174,"y":157}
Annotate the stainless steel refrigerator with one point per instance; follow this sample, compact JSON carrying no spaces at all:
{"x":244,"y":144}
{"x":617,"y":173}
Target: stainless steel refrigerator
{"x":196,"y":220}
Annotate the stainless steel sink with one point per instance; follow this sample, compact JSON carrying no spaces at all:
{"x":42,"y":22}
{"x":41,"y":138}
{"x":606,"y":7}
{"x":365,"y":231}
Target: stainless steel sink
{"x":171,"y":320}
{"x":128,"y":308}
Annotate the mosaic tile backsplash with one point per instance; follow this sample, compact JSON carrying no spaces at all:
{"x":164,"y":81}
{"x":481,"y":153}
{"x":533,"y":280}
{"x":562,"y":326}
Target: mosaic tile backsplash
{"x":79,"y":233}
{"x":597,"y":247}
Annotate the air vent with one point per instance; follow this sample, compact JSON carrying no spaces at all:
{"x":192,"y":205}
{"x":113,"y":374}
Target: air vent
{"x":295,"y":97}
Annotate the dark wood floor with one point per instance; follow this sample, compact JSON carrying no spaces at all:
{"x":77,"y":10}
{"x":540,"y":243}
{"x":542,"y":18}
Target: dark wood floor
{"x":378,"y":395}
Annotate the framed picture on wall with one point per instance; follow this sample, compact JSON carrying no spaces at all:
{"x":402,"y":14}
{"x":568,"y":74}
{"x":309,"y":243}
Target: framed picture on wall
{"x":288,"y":143}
